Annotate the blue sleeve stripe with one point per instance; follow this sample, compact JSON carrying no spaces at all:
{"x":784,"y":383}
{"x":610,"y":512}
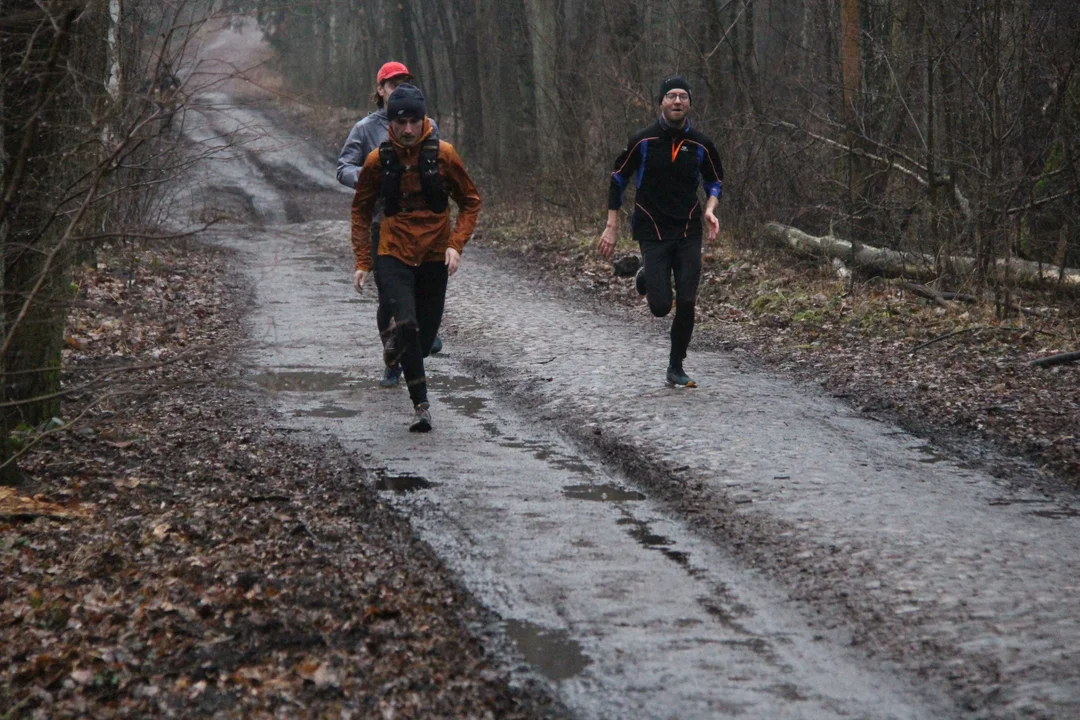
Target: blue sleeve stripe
{"x":619,"y":179}
{"x":715,"y":189}
{"x":641,"y":168}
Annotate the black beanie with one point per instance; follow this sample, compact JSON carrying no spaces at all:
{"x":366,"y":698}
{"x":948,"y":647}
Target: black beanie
{"x":675,"y":82}
{"x":406,"y":102}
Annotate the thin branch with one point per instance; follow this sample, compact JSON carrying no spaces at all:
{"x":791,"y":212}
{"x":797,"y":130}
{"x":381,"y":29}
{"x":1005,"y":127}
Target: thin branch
{"x":724,"y":37}
{"x":946,"y":336}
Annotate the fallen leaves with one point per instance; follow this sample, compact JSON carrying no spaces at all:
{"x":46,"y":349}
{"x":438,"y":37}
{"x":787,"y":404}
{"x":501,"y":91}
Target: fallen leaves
{"x":222,"y":571}
{"x":318,"y":672}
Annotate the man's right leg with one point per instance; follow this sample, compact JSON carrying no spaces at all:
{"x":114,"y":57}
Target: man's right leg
{"x":391,"y":375}
{"x":400,"y":280}
{"x":431,"y":279}
{"x":687,"y":271}
{"x":657,"y":257}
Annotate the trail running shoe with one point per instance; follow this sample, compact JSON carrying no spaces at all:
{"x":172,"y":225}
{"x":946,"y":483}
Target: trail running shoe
{"x":678,"y":378}
{"x":391,"y":377}
{"x":639,"y":281}
{"x":422,"y":423}
{"x":436,"y":347}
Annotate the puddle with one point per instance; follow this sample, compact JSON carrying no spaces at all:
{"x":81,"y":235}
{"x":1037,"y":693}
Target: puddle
{"x":601,"y":493}
{"x":727,"y":617}
{"x":324,"y":268}
{"x":1059,"y":514}
{"x":454,"y":383}
{"x":311,"y":258}
{"x":453,"y":391}
{"x":300,"y":381}
{"x":677,"y":556}
{"x":469,"y":405}
{"x":640,"y":532}
{"x":1018,"y":501}
{"x":402,"y":484}
{"x":543,"y":451}
{"x":932,"y":457}
{"x":551,"y":652}
{"x":327,"y":410}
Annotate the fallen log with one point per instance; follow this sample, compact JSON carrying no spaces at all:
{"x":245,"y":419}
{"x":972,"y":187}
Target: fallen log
{"x":18,"y":508}
{"x":926,"y":292}
{"x":1059,"y":359}
{"x":918,"y":265}
{"x":961,"y":297}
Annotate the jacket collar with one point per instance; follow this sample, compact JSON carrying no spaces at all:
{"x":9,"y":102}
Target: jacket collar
{"x":402,"y":150}
{"x":668,"y":128}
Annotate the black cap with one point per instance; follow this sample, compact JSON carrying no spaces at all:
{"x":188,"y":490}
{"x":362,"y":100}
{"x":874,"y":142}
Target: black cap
{"x":675,"y":82}
{"x":406,"y":102}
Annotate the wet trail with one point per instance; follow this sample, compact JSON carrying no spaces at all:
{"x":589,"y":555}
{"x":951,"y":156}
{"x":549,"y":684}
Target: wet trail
{"x":749,"y":548}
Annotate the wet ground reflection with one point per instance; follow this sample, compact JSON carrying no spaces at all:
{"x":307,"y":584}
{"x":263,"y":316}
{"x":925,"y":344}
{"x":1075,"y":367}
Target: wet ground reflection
{"x":551,"y":652}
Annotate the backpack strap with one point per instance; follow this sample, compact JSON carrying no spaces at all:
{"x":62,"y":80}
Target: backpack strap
{"x":392,"y":170}
{"x":430,"y":180}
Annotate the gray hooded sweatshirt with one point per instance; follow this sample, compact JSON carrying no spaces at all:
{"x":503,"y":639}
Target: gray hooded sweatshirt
{"x":365,"y":136}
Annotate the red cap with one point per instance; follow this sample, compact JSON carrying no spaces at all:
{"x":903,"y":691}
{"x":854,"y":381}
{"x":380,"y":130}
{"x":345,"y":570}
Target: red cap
{"x":389,"y":70}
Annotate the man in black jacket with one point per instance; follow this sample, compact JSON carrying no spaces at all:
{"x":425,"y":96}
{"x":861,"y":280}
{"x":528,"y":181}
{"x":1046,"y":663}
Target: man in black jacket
{"x":666,"y":161}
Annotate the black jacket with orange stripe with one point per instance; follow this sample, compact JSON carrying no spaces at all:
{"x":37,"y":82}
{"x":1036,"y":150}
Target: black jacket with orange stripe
{"x":665,"y":165}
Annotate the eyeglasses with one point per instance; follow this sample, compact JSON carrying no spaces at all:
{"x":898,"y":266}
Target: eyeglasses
{"x":673,"y":96}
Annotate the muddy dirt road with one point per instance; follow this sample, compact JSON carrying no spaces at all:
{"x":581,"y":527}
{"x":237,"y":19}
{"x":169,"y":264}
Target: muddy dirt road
{"x":748,"y":548}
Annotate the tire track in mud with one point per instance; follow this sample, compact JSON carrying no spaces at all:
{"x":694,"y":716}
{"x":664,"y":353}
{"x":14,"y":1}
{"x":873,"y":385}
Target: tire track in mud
{"x":926,"y":562}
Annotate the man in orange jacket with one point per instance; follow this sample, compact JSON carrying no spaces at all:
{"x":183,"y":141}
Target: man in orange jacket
{"x":414,"y":175}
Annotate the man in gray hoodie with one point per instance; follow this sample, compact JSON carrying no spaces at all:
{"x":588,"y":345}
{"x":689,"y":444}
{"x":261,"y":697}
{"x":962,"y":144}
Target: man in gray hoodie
{"x":365,"y":136}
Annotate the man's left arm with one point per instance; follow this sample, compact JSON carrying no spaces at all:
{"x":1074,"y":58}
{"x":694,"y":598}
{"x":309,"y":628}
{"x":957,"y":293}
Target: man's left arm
{"x":363,"y":205}
{"x":463,"y":190}
{"x":712,"y":178}
{"x":352,"y":156}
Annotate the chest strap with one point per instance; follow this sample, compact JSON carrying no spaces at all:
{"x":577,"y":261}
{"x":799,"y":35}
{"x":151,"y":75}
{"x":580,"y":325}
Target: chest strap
{"x":431,"y":182}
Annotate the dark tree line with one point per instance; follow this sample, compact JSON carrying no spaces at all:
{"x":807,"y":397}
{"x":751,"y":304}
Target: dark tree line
{"x":948,"y":125}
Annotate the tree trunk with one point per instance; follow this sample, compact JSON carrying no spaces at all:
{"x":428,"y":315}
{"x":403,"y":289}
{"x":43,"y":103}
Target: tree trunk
{"x":850,"y":51}
{"x":851,"y":81}
{"x":471,"y":109}
{"x":33,"y":315}
{"x":542,"y":24}
{"x":44,"y":104}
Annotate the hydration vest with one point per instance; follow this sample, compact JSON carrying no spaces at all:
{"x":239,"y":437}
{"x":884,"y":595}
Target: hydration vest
{"x":430,"y":180}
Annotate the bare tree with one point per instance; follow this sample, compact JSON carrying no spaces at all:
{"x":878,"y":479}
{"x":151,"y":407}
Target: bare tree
{"x":90,"y":100}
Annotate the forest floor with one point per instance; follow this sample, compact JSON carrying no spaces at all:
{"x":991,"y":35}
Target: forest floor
{"x":173,"y":556}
